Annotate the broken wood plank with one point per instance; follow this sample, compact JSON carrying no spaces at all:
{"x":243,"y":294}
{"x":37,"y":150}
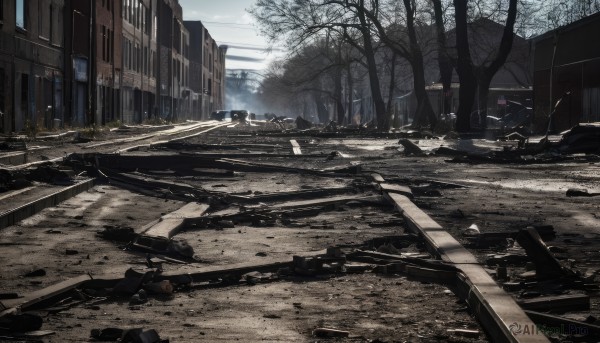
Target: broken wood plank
{"x":296,"y":147}
{"x":44,"y":294}
{"x":563,"y":325}
{"x":546,"y":266}
{"x":377,"y":178}
{"x":388,"y":187}
{"x":495,"y":309}
{"x":208,"y":273}
{"x":558,"y":303}
{"x":327,"y":201}
{"x":170,"y":224}
{"x":440,"y":241}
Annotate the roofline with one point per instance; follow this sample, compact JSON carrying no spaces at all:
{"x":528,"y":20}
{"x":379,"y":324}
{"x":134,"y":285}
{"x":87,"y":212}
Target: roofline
{"x":568,"y":27}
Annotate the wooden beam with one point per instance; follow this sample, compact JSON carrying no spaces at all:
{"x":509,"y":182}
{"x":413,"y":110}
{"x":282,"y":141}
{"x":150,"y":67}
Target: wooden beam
{"x":558,"y":303}
{"x":545,"y":264}
{"x":496,"y":310}
{"x":43,"y":294}
{"x":170,"y":224}
{"x":296,"y":147}
{"x":325,"y":201}
{"x":589,"y":332}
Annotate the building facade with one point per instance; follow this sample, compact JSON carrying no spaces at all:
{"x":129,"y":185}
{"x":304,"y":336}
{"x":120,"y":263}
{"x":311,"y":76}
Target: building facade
{"x":91,"y":62}
{"x":207,"y":71}
{"x":567,"y":66}
{"x":31,"y":64}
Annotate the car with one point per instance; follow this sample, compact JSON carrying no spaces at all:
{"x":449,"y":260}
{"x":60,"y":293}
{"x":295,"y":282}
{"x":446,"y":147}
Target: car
{"x":220,"y":115}
{"x":239,"y":115}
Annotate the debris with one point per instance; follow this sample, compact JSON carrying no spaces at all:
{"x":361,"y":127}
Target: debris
{"x":546,"y":265}
{"x":4,"y":296}
{"x":141,"y":336}
{"x":557,"y":304}
{"x":580,"y":192}
{"x":141,"y":297}
{"x":118,"y":234}
{"x":162,"y":287}
{"x":590,"y":331}
{"x":582,"y":138}
{"x":328,"y":332}
{"x":411,"y":148}
{"x":472,"y":230}
{"x":36,"y":273}
{"x":254,"y":278}
{"x":303,"y":124}
{"x":465,"y":333}
{"x":23,"y":322}
{"x":108,"y":334}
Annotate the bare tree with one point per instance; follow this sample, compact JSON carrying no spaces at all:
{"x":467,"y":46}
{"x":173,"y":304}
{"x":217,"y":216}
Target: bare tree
{"x":475,"y":79}
{"x":301,"y":22}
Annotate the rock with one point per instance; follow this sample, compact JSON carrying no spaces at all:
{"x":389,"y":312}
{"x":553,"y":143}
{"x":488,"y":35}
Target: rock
{"x":472,"y":230}
{"x":24,"y":322}
{"x":162,"y":287}
{"x":36,"y":273}
{"x":578,"y":192}
{"x":71,"y":252}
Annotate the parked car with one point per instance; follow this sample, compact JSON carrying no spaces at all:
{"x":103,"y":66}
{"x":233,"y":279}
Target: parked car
{"x":220,"y":115}
{"x":239,"y":115}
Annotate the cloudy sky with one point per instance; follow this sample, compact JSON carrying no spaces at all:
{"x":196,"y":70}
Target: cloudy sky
{"x":230,"y":24}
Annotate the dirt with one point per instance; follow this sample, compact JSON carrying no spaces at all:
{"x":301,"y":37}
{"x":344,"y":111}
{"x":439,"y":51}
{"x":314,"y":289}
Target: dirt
{"x":371,"y":307}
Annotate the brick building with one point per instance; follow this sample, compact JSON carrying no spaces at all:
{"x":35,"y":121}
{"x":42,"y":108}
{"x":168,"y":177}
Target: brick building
{"x":207,"y":71}
{"x":31,"y":63}
{"x":91,"y":62}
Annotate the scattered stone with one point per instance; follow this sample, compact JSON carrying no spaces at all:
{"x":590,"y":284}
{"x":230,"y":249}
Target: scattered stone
{"x":36,"y":273}
{"x":580,"y":192}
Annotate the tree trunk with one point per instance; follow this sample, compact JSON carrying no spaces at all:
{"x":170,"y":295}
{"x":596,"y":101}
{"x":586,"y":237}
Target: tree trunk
{"x":383,"y":121}
{"x":339,"y":104}
{"x":322,"y":111}
{"x":483,"y":90}
{"x":392,"y":86}
{"x":464,"y":68}
{"x":444,"y":60}
{"x":424,"y":112}
{"x":350,"y":105}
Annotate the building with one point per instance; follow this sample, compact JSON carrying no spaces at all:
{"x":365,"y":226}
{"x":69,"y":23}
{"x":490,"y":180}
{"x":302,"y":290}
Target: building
{"x":108,"y":27}
{"x":567,"y":61}
{"x":91,"y":62}
{"x":207,"y":71}
{"x":139,"y":68}
{"x":31,"y":64}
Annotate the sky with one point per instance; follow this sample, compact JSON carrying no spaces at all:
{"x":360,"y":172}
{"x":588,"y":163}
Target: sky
{"x":230,"y":24}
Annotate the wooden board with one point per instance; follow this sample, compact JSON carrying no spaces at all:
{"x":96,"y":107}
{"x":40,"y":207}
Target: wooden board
{"x":325,"y":201}
{"x":497,"y":311}
{"x":170,"y":224}
{"x":296,"y":147}
{"x":558,"y":303}
{"x":44,"y":294}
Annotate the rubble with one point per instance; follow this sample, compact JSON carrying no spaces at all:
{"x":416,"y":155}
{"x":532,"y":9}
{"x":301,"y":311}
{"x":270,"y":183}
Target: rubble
{"x":251,"y":210}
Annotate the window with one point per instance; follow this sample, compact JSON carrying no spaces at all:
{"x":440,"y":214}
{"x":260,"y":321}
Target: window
{"x":1,"y":10}
{"x":21,"y":17}
{"x":44,"y":20}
